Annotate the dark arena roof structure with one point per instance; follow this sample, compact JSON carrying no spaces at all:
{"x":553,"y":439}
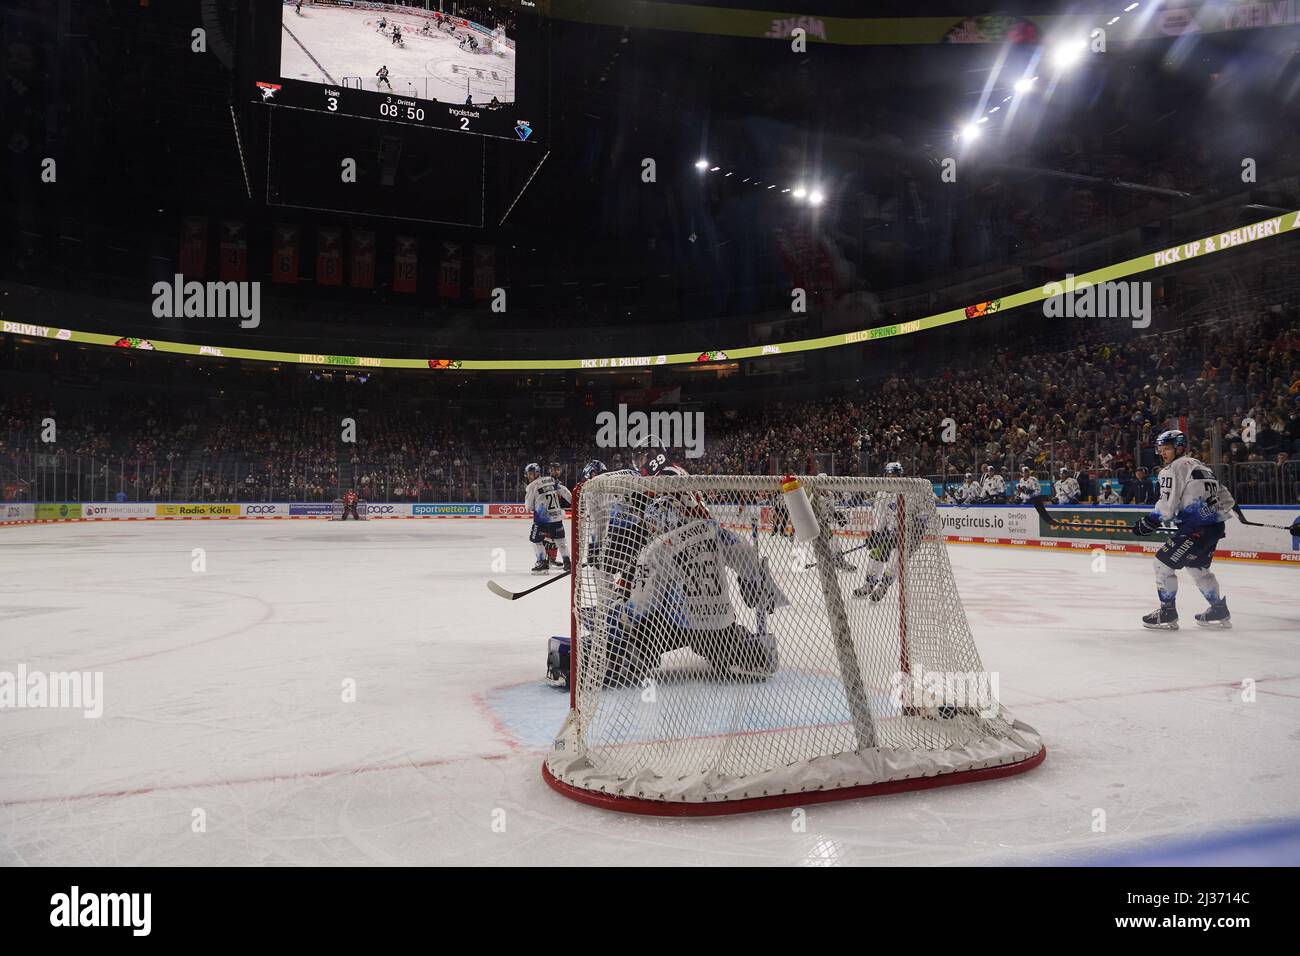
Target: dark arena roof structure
{"x":349,"y":258}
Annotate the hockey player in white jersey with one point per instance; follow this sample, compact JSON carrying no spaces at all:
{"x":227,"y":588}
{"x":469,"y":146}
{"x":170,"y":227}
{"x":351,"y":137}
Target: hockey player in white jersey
{"x":834,"y":509}
{"x":882,"y":541}
{"x":543,"y":499}
{"x":1192,"y":499}
{"x":992,"y":487}
{"x":680,"y":596}
{"x":1027,"y":488}
{"x":969,"y":492}
{"x":1067,"y":488}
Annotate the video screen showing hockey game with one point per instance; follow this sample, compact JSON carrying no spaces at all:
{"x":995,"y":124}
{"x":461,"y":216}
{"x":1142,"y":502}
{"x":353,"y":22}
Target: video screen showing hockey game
{"x":860,"y":435}
{"x":455,"y":65}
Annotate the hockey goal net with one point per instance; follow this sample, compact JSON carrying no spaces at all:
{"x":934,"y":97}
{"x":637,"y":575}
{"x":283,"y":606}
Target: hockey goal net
{"x":721,"y":664}
{"x":336,"y":510}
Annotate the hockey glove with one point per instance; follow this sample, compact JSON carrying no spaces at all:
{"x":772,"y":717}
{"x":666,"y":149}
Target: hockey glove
{"x":1144,"y":526}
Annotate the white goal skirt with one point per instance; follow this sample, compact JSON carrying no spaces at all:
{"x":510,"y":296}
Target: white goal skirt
{"x":720,"y":667}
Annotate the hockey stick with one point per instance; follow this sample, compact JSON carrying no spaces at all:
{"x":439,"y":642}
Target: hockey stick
{"x":856,"y":547}
{"x":1042,"y":513}
{"x":499,"y":591}
{"x":1293,"y":528}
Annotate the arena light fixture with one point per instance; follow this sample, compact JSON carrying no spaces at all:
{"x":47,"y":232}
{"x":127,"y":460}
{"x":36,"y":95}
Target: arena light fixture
{"x":800,"y":192}
{"x":816,"y":197}
{"x":701,"y":164}
{"x":1025,"y":84}
{"x":1067,"y":53}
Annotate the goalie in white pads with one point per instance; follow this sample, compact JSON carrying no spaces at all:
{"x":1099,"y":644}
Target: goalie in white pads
{"x":680,"y":596}
{"x":1197,"y":505}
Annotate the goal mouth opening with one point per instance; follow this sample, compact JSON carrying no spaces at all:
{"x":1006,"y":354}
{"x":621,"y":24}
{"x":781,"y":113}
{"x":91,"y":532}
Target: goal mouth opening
{"x":779,"y":801}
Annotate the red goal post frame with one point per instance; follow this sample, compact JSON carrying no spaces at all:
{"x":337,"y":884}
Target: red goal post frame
{"x":644,"y":807}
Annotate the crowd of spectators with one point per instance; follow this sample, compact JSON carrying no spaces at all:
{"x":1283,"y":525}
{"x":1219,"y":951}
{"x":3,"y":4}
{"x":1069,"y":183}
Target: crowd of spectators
{"x":1093,"y":409}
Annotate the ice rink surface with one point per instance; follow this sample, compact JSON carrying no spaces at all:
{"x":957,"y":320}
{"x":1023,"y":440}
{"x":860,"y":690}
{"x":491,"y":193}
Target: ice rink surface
{"x":328,"y":45}
{"x":226,"y":739}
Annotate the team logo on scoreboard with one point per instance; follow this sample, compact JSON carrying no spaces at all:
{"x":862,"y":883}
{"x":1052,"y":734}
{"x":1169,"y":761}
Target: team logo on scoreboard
{"x":523,"y":129}
{"x":268,"y":90}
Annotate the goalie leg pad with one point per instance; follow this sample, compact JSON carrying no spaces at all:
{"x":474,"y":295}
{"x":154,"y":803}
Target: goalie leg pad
{"x":738,"y":651}
{"x":557,"y":662}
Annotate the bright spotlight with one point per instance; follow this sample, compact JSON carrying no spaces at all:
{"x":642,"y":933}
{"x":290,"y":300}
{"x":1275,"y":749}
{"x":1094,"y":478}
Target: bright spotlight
{"x":969,"y":133}
{"x":1025,"y":84}
{"x":816,"y":197}
{"x":800,"y":192}
{"x":701,"y":164}
{"x":714,"y":169}
{"x":1066,"y":54}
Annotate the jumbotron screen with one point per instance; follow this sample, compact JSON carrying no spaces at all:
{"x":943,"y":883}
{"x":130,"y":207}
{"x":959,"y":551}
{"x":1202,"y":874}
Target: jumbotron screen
{"x":476,"y":68}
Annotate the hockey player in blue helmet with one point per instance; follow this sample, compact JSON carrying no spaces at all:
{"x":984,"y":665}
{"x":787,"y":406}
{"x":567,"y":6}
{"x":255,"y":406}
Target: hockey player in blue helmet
{"x":545,"y":498}
{"x":1193,"y":501}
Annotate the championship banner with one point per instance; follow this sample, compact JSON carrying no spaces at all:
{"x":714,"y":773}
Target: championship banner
{"x":234,"y":252}
{"x":284,"y":254}
{"x":363,"y":259}
{"x":329,"y":257}
{"x":193,"y":259}
{"x":406,"y":263}
{"x":449,"y":274}
{"x":485,"y":271}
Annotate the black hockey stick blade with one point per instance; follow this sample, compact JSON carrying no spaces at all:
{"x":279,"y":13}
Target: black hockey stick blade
{"x":1042,"y":513}
{"x":499,"y":591}
{"x":1259,"y":524}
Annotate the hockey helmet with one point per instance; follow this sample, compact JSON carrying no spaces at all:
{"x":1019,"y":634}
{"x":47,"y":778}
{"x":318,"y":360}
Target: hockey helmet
{"x":893,"y":468}
{"x":1173,"y":438}
{"x":532,"y":468}
{"x":592,"y":469}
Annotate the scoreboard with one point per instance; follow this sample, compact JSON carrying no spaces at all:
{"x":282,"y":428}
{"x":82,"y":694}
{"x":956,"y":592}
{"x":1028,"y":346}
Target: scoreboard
{"x":397,"y":64}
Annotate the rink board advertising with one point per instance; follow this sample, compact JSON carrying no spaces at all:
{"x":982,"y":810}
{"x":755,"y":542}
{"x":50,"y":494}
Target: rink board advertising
{"x":446,"y":72}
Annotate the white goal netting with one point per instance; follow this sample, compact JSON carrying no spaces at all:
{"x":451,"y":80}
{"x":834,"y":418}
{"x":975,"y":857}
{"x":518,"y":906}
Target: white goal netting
{"x":720,"y":660}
